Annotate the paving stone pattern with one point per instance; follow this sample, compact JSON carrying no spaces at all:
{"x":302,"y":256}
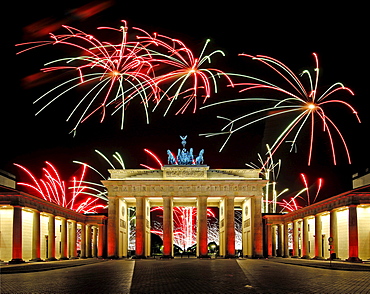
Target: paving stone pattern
{"x":192,"y":275}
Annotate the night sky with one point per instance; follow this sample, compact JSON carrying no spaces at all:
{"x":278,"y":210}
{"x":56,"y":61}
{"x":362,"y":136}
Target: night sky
{"x":338,"y":34}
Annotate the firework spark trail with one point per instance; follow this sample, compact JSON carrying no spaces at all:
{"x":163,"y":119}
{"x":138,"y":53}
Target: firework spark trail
{"x":270,"y":171}
{"x":320,"y":182}
{"x":119,"y":73}
{"x":292,"y":204}
{"x":184,"y":230}
{"x":177,"y":55}
{"x":53,"y":189}
{"x":120,"y":68}
{"x":155,"y":157}
{"x":307,"y":104}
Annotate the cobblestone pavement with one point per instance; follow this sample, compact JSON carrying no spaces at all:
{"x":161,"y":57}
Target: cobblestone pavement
{"x":189,"y":276}
{"x":184,"y":276}
{"x":277,"y":276}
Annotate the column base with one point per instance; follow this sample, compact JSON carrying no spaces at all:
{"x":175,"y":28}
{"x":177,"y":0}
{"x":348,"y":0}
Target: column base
{"x":139,"y":257}
{"x":36,"y":260}
{"x":16,"y":261}
{"x":113,"y":257}
{"x":64,"y":258}
{"x":318,"y":258}
{"x":230,"y":256}
{"x":166,"y":257}
{"x":257,"y":256}
{"x":204,"y":256}
{"x":51,"y":259}
{"x":305,"y":257}
{"x":354,"y":259}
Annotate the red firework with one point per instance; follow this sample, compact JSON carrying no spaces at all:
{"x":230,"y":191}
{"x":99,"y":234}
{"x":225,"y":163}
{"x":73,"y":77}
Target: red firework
{"x":117,"y":73}
{"x":72,"y":195}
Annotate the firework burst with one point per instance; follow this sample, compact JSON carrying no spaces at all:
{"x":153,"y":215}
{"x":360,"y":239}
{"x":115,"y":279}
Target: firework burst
{"x":77,"y":194}
{"x":114,"y":74}
{"x":305,"y":103}
{"x":148,"y":69}
{"x":188,"y":77}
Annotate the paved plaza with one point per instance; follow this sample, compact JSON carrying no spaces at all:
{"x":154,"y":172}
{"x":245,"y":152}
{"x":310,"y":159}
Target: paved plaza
{"x":186,"y":276}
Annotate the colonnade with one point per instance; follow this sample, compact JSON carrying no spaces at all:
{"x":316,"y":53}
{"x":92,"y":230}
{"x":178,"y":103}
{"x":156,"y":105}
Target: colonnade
{"x":118,"y":223}
{"x":31,"y":234}
{"x":339,"y":233}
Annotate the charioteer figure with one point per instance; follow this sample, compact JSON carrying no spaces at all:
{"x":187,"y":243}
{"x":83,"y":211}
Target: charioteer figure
{"x":185,"y":157}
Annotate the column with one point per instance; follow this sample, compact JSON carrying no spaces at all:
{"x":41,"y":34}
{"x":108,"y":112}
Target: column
{"x":202,"y":245}
{"x":256,"y":203}
{"x":280,"y":250}
{"x":83,"y":241}
{"x":167,"y":227}
{"x":36,"y":241}
{"x":112,"y":227}
{"x":286,"y":239}
{"x":229,"y":227}
{"x":140,"y":228}
{"x":318,"y":237}
{"x":95,"y":242}
{"x":73,"y":240}
{"x":64,"y":239}
{"x":88,"y":239}
{"x":305,"y":239}
{"x":334,"y":234}
{"x":269,"y":240}
{"x":101,"y":241}
{"x":353,"y":234}
{"x":273,"y":240}
{"x":295,"y":238}
{"x":51,"y":238}
{"x":17,"y":235}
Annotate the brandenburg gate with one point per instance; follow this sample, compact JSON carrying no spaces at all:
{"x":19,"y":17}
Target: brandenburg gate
{"x":185,"y":182}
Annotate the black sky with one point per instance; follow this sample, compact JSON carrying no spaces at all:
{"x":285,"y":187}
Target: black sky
{"x":337,"y":33}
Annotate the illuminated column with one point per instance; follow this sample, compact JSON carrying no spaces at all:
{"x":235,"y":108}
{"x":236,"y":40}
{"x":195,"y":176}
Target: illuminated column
{"x":202,"y":245}
{"x":73,"y":241}
{"x":352,"y":234}
{"x":269,"y":240}
{"x":305,"y":239}
{"x":95,"y":242}
{"x":318,"y":237}
{"x":280,"y":249}
{"x":17,"y":235}
{"x":286,"y":239}
{"x":256,"y":203}
{"x":101,"y":241}
{"x":167,"y":227}
{"x":83,"y":241}
{"x":51,"y":238}
{"x":64,"y":239}
{"x":88,"y":241}
{"x":36,"y":241}
{"x":140,"y":227}
{"x":112,"y":227}
{"x":334,"y":234}
{"x":273,"y":240}
{"x":295,"y":239}
{"x":229,"y":227}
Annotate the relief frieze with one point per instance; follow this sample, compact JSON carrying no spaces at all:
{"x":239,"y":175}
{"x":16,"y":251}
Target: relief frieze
{"x":132,"y":190}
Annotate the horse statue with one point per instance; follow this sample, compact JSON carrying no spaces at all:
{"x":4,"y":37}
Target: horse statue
{"x":199,"y":159}
{"x":171,"y":158}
